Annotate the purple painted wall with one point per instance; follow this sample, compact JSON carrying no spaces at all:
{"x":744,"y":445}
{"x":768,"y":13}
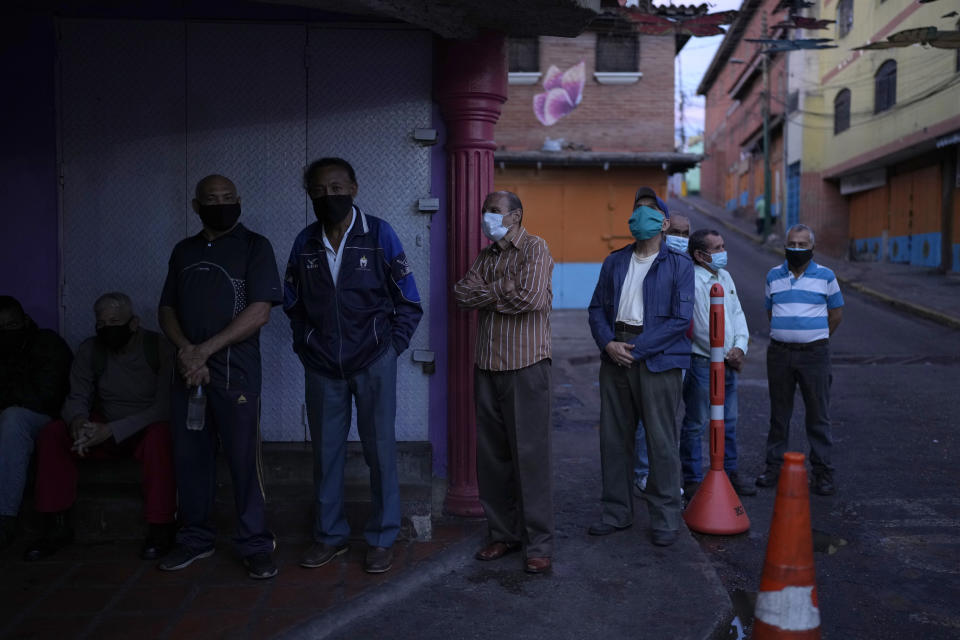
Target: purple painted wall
{"x":438,"y":299}
{"x":29,"y":259}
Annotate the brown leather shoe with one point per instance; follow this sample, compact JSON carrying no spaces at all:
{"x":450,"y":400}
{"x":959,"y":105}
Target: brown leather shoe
{"x":496,"y":550}
{"x":537,"y":565}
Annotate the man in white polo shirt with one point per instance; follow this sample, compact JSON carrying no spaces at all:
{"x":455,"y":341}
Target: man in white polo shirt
{"x":805,"y":307}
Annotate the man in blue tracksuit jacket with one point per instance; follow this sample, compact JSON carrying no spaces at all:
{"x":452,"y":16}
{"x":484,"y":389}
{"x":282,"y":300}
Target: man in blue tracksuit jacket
{"x":639,"y":317}
{"x":353,"y":307}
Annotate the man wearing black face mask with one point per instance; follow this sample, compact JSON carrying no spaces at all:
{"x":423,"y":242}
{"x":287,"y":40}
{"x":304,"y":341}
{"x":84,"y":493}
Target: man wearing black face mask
{"x":118,"y":406}
{"x":34,"y":365}
{"x":353,"y":307}
{"x":805,"y":307}
{"x":220,"y":288}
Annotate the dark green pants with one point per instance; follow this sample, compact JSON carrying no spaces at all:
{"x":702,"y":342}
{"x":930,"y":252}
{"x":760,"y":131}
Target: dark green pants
{"x":514,"y":473}
{"x":627,"y":396}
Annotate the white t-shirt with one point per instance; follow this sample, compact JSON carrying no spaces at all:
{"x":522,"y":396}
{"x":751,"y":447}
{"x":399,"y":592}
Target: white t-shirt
{"x":631,"y":296}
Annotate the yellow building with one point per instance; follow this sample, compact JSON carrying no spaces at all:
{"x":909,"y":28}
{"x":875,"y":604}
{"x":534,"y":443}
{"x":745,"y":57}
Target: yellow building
{"x":881,"y":133}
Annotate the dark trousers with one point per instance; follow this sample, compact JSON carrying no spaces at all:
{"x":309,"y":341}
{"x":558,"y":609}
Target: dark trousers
{"x":809,"y":367}
{"x":514,"y":470}
{"x":56,"y":488}
{"x":329,"y":407}
{"x":233,"y":418}
{"x":627,"y":396}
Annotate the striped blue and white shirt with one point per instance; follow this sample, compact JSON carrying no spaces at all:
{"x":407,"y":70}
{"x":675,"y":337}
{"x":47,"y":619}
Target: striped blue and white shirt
{"x":799,"y":305}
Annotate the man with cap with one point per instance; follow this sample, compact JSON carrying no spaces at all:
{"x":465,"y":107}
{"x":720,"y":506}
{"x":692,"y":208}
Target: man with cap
{"x":639,"y":317}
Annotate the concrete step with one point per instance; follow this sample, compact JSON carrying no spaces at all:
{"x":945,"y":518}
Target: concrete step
{"x":110,"y":505}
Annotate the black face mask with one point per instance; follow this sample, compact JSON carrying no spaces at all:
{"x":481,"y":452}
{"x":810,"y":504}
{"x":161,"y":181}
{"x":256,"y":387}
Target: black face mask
{"x":332,"y":209}
{"x":796,"y":258}
{"x":11,"y":340}
{"x":219,"y":217}
{"x":114,"y":337}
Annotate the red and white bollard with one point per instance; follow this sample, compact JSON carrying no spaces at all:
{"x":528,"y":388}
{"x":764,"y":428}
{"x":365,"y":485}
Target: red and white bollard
{"x":716,"y":507}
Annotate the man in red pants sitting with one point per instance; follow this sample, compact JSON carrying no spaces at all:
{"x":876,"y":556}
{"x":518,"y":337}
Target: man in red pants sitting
{"x":118,"y":406}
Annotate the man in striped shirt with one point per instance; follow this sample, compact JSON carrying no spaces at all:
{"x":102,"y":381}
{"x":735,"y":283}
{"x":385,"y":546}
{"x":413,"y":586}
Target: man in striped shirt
{"x":509,"y":284}
{"x":805,"y":307}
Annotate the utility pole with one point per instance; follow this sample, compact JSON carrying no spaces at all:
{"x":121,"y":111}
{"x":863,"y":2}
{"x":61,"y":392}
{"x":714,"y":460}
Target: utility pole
{"x":767,"y":195}
{"x":683,"y":128}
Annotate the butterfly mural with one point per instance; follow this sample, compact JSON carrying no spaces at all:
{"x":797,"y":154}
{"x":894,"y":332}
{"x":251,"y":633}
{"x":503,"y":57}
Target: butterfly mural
{"x":563,"y":92}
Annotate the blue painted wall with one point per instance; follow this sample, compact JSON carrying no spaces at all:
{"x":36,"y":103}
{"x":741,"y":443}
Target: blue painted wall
{"x":573,"y":284}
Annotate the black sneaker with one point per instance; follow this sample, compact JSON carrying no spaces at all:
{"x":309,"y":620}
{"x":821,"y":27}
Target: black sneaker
{"x":8,"y":531}
{"x":182,"y":557}
{"x":57,"y":533}
{"x":260,"y":565}
{"x":822,"y":484}
{"x":768,"y":478}
{"x":742,"y":488}
{"x":158,"y":542}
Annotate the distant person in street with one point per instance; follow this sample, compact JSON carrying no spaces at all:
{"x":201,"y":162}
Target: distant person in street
{"x":710,"y":260}
{"x":353,"y":306}
{"x":639,"y":317}
{"x":676,"y":237}
{"x":805,"y":307}
{"x":510,"y":286}
{"x":34,"y":378}
{"x":219,"y":290}
{"x":118,"y":406}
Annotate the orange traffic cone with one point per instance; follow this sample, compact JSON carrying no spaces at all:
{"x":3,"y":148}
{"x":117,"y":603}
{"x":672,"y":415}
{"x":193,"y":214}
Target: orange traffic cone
{"x":715,"y":507}
{"x":787,"y":603}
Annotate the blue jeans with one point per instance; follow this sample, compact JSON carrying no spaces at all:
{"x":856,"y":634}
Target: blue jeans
{"x":329,"y":408}
{"x":641,"y":466}
{"x":18,"y":431}
{"x":696,"y":398}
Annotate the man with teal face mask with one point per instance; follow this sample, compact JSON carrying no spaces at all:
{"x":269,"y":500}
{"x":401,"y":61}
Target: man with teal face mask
{"x":639,"y":317}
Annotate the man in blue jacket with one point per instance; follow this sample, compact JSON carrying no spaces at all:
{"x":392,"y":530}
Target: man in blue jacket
{"x":353,"y":306}
{"x":639,"y":317}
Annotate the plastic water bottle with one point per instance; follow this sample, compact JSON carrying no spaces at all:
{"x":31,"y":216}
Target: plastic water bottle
{"x":196,"y":409}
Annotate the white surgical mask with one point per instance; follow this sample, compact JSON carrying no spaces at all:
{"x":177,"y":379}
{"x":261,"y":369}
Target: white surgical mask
{"x":678,"y":243}
{"x":492,"y":225}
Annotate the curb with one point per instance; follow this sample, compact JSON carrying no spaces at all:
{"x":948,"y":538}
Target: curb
{"x":332,"y":622}
{"x":903,"y":305}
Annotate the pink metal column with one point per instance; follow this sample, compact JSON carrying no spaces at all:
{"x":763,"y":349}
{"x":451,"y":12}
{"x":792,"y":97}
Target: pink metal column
{"x":471,"y":84}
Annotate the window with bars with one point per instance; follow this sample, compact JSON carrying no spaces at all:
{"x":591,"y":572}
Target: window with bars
{"x":618,"y":52}
{"x":841,"y":111}
{"x":885,"y":86}
{"x":844,"y":17}
{"x":524,"y":54}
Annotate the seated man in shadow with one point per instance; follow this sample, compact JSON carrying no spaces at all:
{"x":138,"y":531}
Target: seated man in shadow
{"x":118,"y":406}
{"x":34,"y":364}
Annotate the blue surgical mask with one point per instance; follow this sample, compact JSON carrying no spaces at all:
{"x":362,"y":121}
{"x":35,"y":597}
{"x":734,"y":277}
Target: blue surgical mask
{"x":645,"y":223}
{"x":719,"y":260}
{"x":678,"y":243}
{"x":492,"y":225}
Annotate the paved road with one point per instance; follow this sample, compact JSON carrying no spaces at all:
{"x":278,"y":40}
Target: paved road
{"x":894,"y":413}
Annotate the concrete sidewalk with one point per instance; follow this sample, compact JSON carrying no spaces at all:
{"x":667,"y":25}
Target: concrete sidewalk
{"x":920,"y":291}
{"x":619,"y":586}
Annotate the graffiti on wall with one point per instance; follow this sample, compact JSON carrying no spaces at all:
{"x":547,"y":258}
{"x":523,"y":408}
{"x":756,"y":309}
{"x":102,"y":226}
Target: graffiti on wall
{"x":563,"y":91}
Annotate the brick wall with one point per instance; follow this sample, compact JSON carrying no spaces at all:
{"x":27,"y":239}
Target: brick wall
{"x":633,"y":117}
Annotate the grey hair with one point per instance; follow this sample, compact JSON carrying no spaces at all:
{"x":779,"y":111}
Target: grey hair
{"x":803,"y":227}
{"x":117,"y":298}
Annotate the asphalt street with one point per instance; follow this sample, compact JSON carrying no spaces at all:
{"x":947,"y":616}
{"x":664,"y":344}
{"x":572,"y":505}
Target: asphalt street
{"x":896,"y":449}
{"x":888,"y":543}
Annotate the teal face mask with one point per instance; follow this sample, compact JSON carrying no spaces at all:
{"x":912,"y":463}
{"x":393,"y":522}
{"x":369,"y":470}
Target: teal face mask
{"x":645,"y":223}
